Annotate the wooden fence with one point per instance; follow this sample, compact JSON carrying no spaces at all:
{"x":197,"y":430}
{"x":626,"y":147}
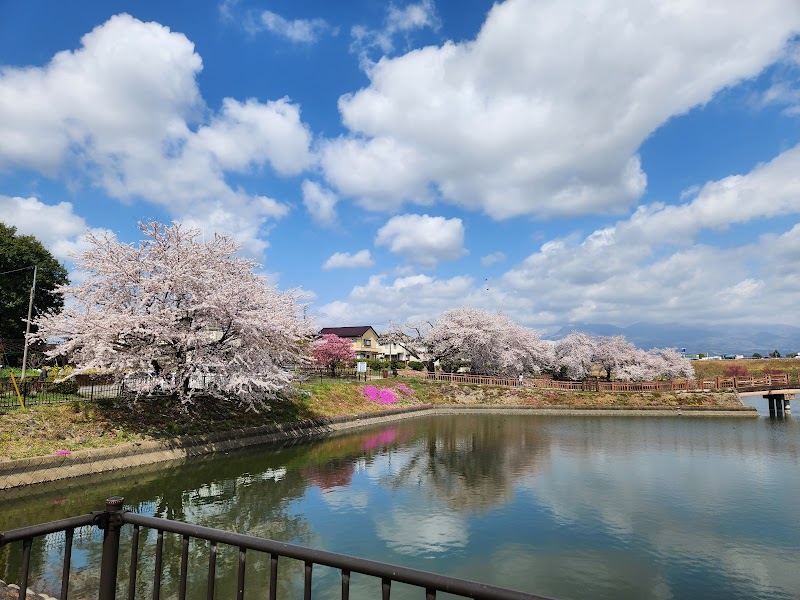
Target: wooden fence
{"x":596,"y":385}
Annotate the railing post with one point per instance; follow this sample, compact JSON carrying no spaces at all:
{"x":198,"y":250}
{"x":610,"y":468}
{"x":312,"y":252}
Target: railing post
{"x":110,"y":520}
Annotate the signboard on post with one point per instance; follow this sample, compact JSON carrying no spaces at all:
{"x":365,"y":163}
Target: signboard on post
{"x":361,"y":367}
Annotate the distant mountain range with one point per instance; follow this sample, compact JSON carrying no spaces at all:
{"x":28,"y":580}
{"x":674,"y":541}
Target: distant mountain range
{"x":733,"y":339}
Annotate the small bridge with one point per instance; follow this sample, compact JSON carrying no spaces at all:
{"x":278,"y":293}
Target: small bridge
{"x":777,"y":389}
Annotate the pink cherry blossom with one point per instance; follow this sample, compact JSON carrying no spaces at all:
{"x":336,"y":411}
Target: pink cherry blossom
{"x":330,"y":351}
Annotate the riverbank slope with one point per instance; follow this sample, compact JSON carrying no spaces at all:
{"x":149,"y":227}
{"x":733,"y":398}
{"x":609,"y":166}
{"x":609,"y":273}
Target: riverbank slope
{"x":67,"y":428}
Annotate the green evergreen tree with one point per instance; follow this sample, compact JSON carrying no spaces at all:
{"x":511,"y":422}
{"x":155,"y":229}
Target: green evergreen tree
{"x":18,"y":255}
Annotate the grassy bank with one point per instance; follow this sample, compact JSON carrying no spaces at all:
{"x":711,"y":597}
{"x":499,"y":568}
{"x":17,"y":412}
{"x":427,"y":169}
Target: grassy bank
{"x":755,"y":367}
{"x":48,"y":430}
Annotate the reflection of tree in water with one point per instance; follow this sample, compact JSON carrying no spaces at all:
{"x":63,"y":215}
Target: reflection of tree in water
{"x":256,"y":501}
{"x":337,"y":473}
{"x":249,"y":492}
{"x":471,"y":462}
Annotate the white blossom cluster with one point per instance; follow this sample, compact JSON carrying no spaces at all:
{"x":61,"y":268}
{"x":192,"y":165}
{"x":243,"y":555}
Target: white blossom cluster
{"x":492,"y":344}
{"x":178,"y":310}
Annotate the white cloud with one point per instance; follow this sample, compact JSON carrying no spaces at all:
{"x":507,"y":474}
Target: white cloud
{"x":652,"y":267}
{"x":120,"y":110}
{"x":399,"y":20}
{"x":492,"y":258}
{"x":252,"y":133}
{"x":555,"y":131}
{"x":299,"y":31}
{"x":320,"y":203}
{"x":345,"y":260}
{"x":403,"y":299}
{"x":56,"y":226}
{"x":422,"y":239}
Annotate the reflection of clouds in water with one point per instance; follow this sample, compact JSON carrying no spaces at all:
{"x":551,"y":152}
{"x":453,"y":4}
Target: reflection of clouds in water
{"x":346,"y":498}
{"x":687,"y":504}
{"x":758,"y":566}
{"x":387,"y":464}
{"x":609,"y":573}
{"x":422,"y":533}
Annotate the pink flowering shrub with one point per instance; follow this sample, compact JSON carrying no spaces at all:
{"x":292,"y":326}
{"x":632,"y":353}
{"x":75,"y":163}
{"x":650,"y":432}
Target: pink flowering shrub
{"x":380,"y":396}
{"x":63,"y":452}
{"x":402,"y":387}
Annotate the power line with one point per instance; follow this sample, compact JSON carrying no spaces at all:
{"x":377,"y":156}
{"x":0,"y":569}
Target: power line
{"x":16,"y":270}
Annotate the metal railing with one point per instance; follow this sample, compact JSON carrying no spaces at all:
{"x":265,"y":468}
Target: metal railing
{"x":115,"y":517}
{"x":766,"y":382}
{"x":34,"y":391}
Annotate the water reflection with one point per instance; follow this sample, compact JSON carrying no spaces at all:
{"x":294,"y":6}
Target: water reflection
{"x":566,"y":507}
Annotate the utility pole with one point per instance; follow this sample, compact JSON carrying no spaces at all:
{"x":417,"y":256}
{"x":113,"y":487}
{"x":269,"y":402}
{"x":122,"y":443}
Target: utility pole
{"x":28,"y":323}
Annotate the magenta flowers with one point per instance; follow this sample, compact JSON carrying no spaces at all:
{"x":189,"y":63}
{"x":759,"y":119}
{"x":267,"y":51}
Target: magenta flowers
{"x":378,"y":395}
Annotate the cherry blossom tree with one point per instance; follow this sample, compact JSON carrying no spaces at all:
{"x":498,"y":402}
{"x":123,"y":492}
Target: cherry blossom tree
{"x":331,"y":350}
{"x":492,"y":344}
{"x":413,"y":337}
{"x":615,"y":352}
{"x":575,"y":355}
{"x":667,"y":363}
{"x":639,"y":366}
{"x":182,"y":310}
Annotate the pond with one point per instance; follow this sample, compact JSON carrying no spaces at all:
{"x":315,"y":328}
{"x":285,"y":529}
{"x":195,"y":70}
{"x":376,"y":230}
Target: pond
{"x":566,"y":507}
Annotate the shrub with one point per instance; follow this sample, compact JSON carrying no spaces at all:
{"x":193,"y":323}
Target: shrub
{"x":772,"y":372}
{"x":415,"y":365}
{"x":69,"y":386}
{"x":736,"y":371}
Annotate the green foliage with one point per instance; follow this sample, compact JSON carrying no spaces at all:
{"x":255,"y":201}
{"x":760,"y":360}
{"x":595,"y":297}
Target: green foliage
{"x":377,"y":365}
{"x":774,"y":354}
{"x":755,"y":355}
{"x":69,"y":386}
{"x":16,"y":253}
{"x":415,"y":365}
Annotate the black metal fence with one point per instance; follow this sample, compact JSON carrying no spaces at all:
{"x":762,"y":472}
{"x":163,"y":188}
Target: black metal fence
{"x":114,"y":518}
{"x":33,"y":391}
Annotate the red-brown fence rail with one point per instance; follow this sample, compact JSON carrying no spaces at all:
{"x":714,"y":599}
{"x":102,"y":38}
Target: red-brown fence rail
{"x":768,"y":382}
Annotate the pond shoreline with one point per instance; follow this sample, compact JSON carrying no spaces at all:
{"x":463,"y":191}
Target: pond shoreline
{"x":42,"y":469}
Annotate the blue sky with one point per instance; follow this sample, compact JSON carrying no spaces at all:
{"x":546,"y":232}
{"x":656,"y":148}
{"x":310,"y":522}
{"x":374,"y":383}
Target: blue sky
{"x":598,"y":161}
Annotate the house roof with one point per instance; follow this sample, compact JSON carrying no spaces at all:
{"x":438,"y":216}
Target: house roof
{"x":346,"y":332}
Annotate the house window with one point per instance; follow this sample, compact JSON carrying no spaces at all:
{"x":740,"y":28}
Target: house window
{"x":367,"y":342}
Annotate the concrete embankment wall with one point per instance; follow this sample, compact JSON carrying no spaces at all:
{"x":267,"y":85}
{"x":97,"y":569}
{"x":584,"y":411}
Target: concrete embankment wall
{"x":41,"y":469}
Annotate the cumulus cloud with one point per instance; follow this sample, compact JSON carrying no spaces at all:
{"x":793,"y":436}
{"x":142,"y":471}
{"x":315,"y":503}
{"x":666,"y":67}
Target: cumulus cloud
{"x":422,"y":239}
{"x":56,"y":226}
{"x":345,"y":260}
{"x":556,"y":130}
{"x":320,"y":203}
{"x":413,"y":297}
{"x":651,"y":267}
{"x":120,"y":109}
